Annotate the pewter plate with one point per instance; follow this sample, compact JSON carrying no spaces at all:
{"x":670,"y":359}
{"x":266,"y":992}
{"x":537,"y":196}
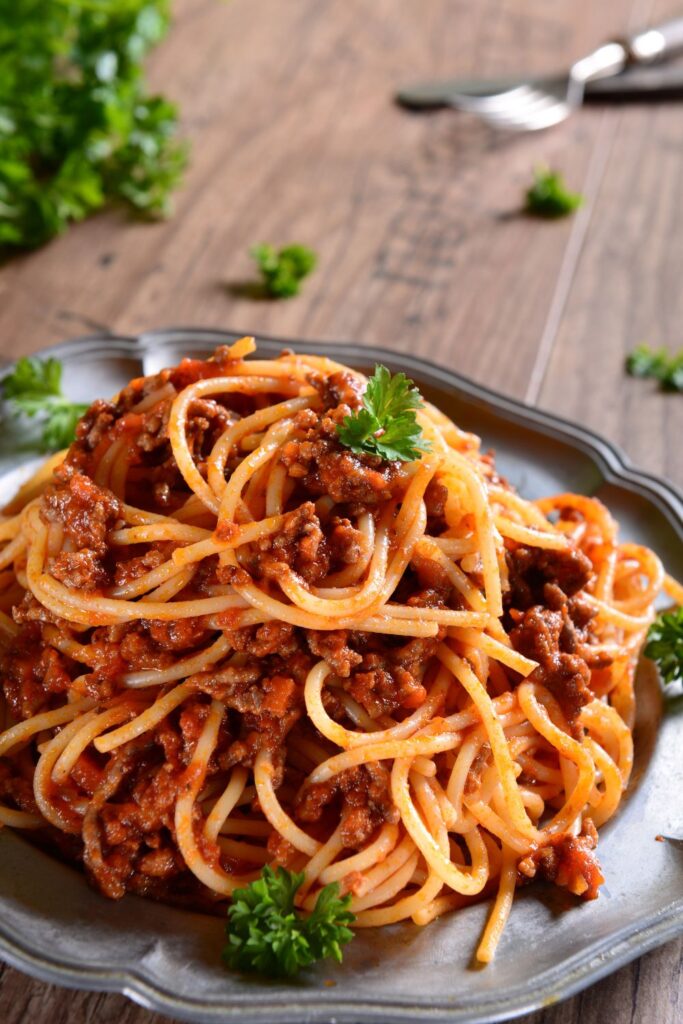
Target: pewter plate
{"x":53,"y":926}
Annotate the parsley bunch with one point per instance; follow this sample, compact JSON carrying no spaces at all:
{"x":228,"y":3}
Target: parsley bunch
{"x":657,"y":364}
{"x":386,"y":425}
{"x":34,"y":388}
{"x":665,"y":645}
{"x":267,"y":935}
{"x":549,"y":196}
{"x":282,"y":270}
{"x":77,"y":126}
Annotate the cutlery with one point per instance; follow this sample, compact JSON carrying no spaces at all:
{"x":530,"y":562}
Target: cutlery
{"x":521,"y":104}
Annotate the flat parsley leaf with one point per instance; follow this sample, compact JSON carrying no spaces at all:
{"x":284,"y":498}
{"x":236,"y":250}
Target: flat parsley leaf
{"x":77,"y":126}
{"x":282,"y":270}
{"x":665,"y":645}
{"x":34,"y":388}
{"x":386,"y":425}
{"x":267,"y":935}
{"x":549,"y":196}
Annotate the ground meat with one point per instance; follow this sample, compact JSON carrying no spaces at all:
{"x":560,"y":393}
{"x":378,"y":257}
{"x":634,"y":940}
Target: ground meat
{"x":332,"y":645}
{"x":178,"y":634}
{"x":365,"y":801}
{"x":324,"y":466}
{"x":344,"y":541}
{"x":31,"y":673}
{"x":260,"y":641}
{"x":17,"y":788}
{"x":134,"y":568}
{"x":543,"y":636}
{"x":80,"y":570}
{"x":392,"y":678}
{"x":342,"y":387}
{"x":299,"y":544}
{"x":206,"y":421}
{"x":431,"y":576}
{"x":85,"y":511}
{"x":93,"y":427}
{"x":568,"y":861}
{"x":530,"y":569}
{"x":435,"y":499}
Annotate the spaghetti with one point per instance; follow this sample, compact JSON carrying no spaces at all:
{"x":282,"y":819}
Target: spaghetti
{"x":227,"y":640}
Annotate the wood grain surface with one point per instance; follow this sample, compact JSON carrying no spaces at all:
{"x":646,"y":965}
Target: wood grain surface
{"x":422,"y":249}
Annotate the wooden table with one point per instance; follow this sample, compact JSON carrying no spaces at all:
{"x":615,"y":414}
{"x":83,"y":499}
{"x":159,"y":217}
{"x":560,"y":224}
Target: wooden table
{"x":415,"y":219}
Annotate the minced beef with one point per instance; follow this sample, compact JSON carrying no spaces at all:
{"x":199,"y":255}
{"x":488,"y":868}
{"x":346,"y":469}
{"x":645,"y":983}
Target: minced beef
{"x":365,"y":801}
{"x":568,"y":861}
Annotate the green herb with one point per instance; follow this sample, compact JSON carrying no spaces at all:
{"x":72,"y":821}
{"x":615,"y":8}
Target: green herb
{"x":386,"y":425}
{"x":34,"y":388}
{"x":665,"y":645}
{"x":77,"y":126}
{"x":657,"y":364}
{"x":283,"y":269}
{"x":267,"y":935}
{"x":549,"y":196}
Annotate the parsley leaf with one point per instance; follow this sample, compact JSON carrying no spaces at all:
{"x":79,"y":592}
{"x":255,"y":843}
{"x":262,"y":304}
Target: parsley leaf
{"x":549,"y":196}
{"x":267,"y":935}
{"x":34,"y":388}
{"x":283,"y":269}
{"x":386,"y":425}
{"x":665,"y":645}
{"x":77,"y":126}
{"x":657,"y":364}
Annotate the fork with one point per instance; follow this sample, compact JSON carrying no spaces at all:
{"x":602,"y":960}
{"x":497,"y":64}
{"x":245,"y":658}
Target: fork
{"x":530,"y":106}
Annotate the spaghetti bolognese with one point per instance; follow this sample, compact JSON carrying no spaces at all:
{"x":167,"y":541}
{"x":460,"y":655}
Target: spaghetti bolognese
{"x":228,"y":639}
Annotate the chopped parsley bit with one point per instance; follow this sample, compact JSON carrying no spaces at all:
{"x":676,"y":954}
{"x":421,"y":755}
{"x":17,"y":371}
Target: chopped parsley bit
{"x":665,"y":645}
{"x":657,"y":364}
{"x":34,"y":388}
{"x":549,"y":196}
{"x":386,"y":425}
{"x":283,"y":269}
{"x":268,"y":936}
{"x":78,"y":128}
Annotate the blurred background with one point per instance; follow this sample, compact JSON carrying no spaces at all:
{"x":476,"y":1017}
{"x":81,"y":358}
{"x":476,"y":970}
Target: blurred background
{"x":422,"y":246}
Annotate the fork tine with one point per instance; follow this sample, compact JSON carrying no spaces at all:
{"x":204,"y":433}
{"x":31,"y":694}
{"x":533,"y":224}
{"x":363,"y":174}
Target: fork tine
{"x":497,"y":101}
{"x":524,"y":105}
{"x":515,"y":120}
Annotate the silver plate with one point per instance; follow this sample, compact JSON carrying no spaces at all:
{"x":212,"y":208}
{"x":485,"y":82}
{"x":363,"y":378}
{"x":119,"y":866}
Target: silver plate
{"x":54,"y":926}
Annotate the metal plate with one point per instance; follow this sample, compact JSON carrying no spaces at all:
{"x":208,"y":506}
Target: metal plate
{"x":53,"y":926}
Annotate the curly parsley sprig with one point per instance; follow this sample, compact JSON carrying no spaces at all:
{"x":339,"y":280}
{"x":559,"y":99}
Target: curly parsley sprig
{"x":268,"y":936}
{"x":665,"y":645}
{"x":282,"y":270}
{"x":386,"y":425}
{"x":657,"y":364}
{"x":34,"y":388}
{"x":549,"y":196}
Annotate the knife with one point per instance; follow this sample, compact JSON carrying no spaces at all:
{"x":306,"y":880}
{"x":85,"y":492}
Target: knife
{"x":634,"y":84}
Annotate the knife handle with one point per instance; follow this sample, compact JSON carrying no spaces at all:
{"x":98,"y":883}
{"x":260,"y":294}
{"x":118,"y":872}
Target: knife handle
{"x":638,"y":84}
{"x":657,"y":43}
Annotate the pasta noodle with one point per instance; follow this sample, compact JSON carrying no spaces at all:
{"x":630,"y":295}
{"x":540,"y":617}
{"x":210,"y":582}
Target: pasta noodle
{"x":227,"y":640}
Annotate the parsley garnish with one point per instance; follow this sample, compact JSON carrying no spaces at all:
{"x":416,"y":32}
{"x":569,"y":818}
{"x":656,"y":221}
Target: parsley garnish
{"x":34,"y":388}
{"x":267,"y":935}
{"x":386,"y":425}
{"x":283,"y":269}
{"x":549,"y":196}
{"x":657,"y":364}
{"x":77,"y":125}
{"x":665,"y":645}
